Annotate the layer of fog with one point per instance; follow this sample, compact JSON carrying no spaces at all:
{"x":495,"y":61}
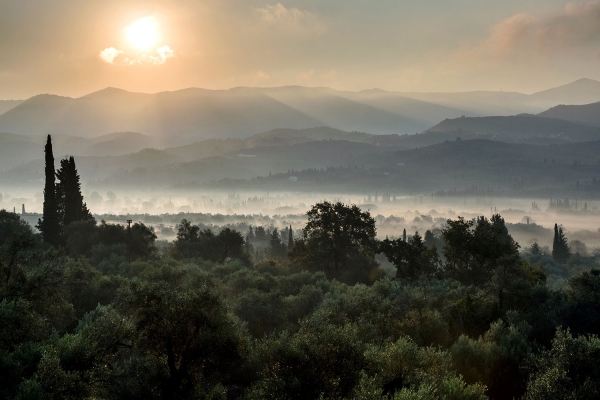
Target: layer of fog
{"x":529,"y":220}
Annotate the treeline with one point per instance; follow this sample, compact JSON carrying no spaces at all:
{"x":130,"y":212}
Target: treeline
{"x":109,"y":315}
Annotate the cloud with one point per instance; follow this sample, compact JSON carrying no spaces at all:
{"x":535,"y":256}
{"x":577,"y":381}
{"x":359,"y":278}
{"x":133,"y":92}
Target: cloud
{"x":291,"y":19}
{"x":164,"y":53}
{"x":575,"y":26}
{"x":115,"y":56}
{"x":109,"y":54}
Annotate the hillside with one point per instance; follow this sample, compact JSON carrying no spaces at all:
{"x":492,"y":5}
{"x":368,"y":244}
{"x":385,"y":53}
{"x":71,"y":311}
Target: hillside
{"x":516,"y":168}
{"x":520,"y":128}
{"x":275,"y":137}
{"x":588,"y":114}
{"x":582,"y":91}
{"x":454,"y":168}
{"x":17,"y":149}
{"x":6,"y":105}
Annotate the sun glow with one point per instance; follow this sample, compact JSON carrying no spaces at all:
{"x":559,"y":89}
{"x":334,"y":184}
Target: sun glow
{"x":143,"y":34}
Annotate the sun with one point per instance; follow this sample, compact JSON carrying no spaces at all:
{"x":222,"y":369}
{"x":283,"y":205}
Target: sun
{"x":143,"y":34}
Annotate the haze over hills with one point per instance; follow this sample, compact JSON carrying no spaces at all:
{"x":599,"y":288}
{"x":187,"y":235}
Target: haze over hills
{"x":241,"y":112}
{"x":197,"y":137}
{"x":359,"y":162}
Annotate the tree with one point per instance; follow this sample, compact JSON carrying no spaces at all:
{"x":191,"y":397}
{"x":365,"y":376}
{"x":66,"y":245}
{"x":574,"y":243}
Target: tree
{"x":290,"y":238}
{"x":191,"y":242}
{"x":475,"y":249}
{"x":187,"y":231}
{"x":11,"y":224}
{"x":568,"y":370}
{"x":68,"y":191}
{"x":276,"y":248}
{"x":183,"y":326}
{"x":561,"y":252}
{"x":49,"y":225}
{"x":82,"y":236}
{"x":535,"y":249}
{"x":338,"y":239}
{"x":411,"y":258}
{"x":229,"y":243}
{"x":260,"y":234}
{"x":483,"y":253}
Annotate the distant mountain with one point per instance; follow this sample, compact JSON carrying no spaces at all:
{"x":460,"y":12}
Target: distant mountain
{"x":275,"y":137}
{"x":588,"y":114}
{"x":242,"y":112}
{"x":393,"y":166}
{"x":239,"y":112}
{"x":480,"y":168}
{"x":6,"y":105}
{"x":520,"y":128}
{"x":582,"y":91}
{"x":17,"y":149}
{"x":94,"y":169}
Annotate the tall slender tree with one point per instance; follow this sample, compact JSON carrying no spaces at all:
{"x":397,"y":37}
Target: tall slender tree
{"x":290,"y":238}
{"x":276,"y":248}
{"x":68,"y":191}
{"x":49,"y":225}
{"x":561,"y":252}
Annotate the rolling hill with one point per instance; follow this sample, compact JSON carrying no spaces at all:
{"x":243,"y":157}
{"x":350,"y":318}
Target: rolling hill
{"x":582,"y":91}
{"x":521,"y":128}
{"x":6,"y":105}
{"x":588,"y":114}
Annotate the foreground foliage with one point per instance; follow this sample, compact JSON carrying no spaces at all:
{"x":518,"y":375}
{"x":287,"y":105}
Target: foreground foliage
{"x":110,"y":317}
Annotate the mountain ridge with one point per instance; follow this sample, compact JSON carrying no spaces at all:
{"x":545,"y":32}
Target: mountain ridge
{"x":244,"y":111}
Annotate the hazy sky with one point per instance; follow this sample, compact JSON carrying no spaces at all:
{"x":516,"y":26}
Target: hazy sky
{"x":73,"y":47}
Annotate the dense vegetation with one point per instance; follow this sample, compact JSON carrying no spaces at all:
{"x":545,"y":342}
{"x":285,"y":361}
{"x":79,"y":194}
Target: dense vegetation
{"x":109,"y":315}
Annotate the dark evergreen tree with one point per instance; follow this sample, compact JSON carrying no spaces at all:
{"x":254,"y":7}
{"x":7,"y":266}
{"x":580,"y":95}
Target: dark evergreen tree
{"x":290,"y":238}
{"x":276,"y":248}
{"x":560,"y":247}
{"x":49,"y":225}
{"x":404,"y":235}
{"x":68,"y":191}
{"x":260,"y":234}
{"x":535,"y":249}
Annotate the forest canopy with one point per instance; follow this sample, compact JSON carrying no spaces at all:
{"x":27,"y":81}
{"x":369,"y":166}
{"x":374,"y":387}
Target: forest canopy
{"x":110,"y":314}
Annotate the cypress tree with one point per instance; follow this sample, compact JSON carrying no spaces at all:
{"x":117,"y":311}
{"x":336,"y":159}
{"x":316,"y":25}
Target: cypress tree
{"x":275,"y":245}
{"x":68,"y":190}
{"x":560,"y":247}
{"x":404,"y":235}
{"x":290,"y":238}
{"x":81,"y":212}
{"x":49,"y":225}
